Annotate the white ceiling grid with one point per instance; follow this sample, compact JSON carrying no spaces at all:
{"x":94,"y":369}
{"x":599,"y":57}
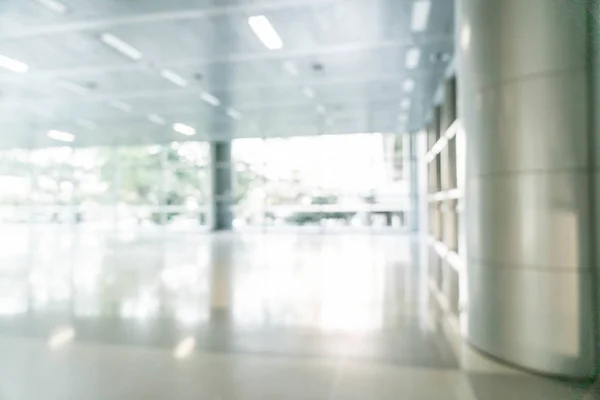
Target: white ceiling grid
{"x":349,"y":56}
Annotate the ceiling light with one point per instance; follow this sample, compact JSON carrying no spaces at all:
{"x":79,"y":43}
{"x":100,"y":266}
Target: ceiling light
{"x":184,"y":129}
{"x":405,"y":104}
{"x":61,"y":337}
{"x":13,"y":65}
{"x":119,"y":105}
{"x":173,"y":77}
{"x":86,"y":123}
{"x":75,"y":88}
{"x":210,"y":99}
{"x":121,"y":46}
{"x":235,"y":114}
{"x":290,"y":67}
{"x":320,"y":109}
{"x":420,"y":15}
{"x":408,"y":85}
{"x":265,"y":32}
{"x":53,"y":5}
{"x":308,"y":92}
{"x":157,"y":119}
{"x":61,"y":136}
{"x":184,"y":348}
{"x":412,"y":58}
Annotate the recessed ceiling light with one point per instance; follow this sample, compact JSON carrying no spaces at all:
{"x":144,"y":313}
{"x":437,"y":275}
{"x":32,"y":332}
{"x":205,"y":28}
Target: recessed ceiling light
{"x":86,"y":123}
{"x":265,"y":32}
{"x":408,"y":85}
{"x":420,"y":15}
{"x":210,"y":99}
{"x":75,"y":87}
{"x":308,"y":92}
{"x":60,"y":136}
{"x":291,"y":68}
{"x":13,"y":65}
{"x":235,"y":114}
{"x":53,"y":5}
{"x":184,"y":129}
{"x":120,"y":105}
{"x":173,"y":77}
{"x":157,"y":119}
{"x":121,"y":46}
{"x":405,"y":104}
{"x":413,"y":56}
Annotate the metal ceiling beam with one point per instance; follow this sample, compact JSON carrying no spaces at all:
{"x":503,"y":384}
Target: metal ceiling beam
{"x":253,"y":108}
{"x":162,"y":93}
{"x":166,"y":16}
{"x":437,"y":40}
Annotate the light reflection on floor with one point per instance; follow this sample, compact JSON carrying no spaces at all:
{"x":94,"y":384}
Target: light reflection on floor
{"x":355,"y":285}
{"x":257,"y":315}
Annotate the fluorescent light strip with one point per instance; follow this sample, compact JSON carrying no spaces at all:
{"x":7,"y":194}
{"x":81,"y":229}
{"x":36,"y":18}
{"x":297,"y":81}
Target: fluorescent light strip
{"x":290,"y":67}
{"x":413,"y":57}
{"x":53,"y":5}
{"x":184,"y":129}
{"x":308,"y":92}
{"x":13,"y":65}
{"x":75,"y":88}
{"x":210,"y":99}
{"x":173,"y":77}
{"x":86,"y":123}
{"x":408,"y":85}
{"x":157,"y":119}
{"x":121,"y":46}
{"x":119,"y":105}
{"x":60,"y":136}
{"x":235,"y":114}
{"x":420,"y":15}
{"x":265,"y":32}
{"x":405,"y":104}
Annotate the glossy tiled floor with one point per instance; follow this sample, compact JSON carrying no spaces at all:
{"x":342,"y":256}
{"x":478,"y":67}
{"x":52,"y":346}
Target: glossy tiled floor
{"x":256,"y":316}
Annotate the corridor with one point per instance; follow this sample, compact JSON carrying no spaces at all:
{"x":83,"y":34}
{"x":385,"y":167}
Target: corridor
{"x":234,"y":316}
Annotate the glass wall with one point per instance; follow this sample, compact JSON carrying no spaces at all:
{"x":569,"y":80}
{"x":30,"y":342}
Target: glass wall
{"x":143,"y":188}
{"x":330,"y":182}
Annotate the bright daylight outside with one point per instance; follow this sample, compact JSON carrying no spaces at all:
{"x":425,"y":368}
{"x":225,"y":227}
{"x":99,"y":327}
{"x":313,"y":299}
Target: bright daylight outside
{"x":329,"y":181}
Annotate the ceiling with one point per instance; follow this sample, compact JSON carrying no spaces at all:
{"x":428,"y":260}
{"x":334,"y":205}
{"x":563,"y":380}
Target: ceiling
{"x":342,"y":69}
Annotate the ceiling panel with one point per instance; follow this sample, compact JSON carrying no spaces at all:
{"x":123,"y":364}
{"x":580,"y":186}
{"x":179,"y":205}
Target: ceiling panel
{"x":342,"y":68}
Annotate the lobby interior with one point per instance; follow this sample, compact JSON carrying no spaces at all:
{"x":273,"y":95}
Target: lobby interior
{"x":299,"y":199}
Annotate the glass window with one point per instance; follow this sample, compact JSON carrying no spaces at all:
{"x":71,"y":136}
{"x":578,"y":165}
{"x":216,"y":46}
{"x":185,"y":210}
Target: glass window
{"x":186,"y":186}
{"x":328,"y":181}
